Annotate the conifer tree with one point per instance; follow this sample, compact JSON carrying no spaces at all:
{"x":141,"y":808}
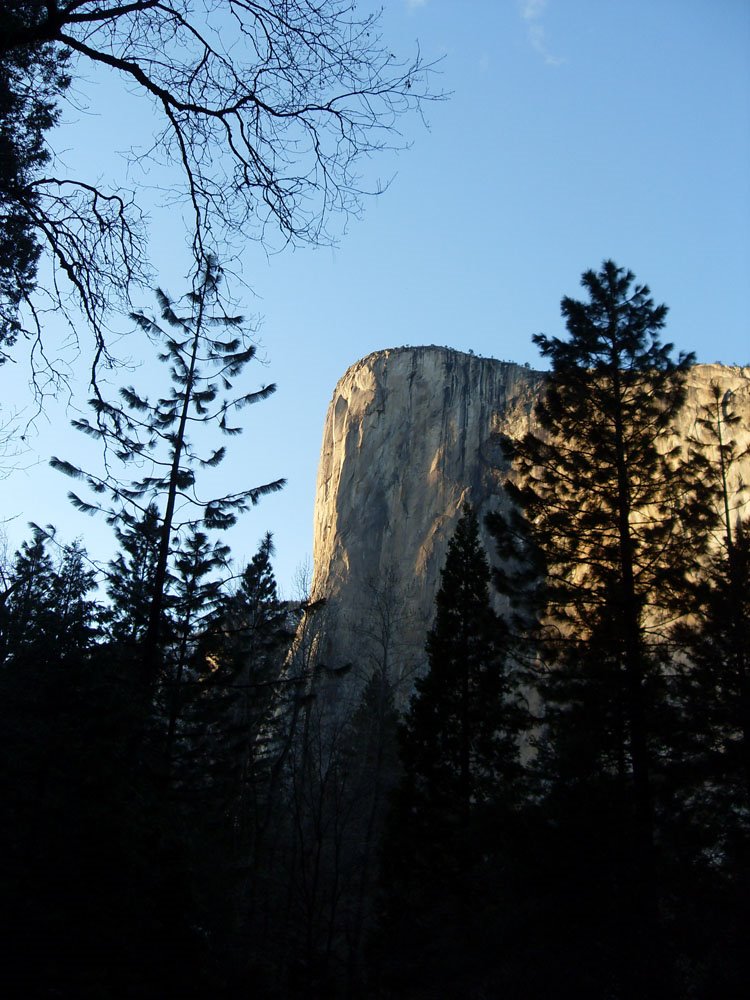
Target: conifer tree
{"x":716,"y":694}
{"x":196,"y":603}
{"x":130,"y":581}
{"x":446,"y":838}
{"x":251,"y":645}
{"x":715,"y":687}
{"x":615,"y":510}
{"x":137,"y":431}
{"x":709,"y":815}
{"x":716,"y":450}
{"x":237,"y":659}
{"x":83,"y":866}
{"x":457,"y":743}
{"x":47,"y":615}
{"x":620,"y":519}
{"x":233,"y":667}
{"x":78,"y":615}
{"x":28,"y":625}
{"x":257,"y":622}
{"x":372,"y":771}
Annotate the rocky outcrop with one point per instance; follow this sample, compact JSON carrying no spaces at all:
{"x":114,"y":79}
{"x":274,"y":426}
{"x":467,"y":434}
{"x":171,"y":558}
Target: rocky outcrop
{"x":410,"y":434}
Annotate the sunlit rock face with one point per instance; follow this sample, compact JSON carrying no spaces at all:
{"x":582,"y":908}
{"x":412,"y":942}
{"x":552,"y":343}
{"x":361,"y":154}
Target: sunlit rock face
{"x":410,"y":434}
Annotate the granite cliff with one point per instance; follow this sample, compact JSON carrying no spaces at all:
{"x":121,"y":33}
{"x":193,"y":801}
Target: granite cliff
{"x":410,"y":434}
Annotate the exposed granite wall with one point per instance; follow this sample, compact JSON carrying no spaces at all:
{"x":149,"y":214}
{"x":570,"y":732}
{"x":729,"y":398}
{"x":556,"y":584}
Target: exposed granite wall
{"x":410,"y":434}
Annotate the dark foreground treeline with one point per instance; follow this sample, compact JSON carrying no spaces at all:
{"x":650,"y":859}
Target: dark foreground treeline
{"x":562,"y":809}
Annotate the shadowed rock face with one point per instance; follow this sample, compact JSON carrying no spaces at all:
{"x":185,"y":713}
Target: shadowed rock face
{"x":411,"y":433}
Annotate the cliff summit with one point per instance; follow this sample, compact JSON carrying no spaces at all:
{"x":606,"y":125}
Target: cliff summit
{"x":410,"y":435}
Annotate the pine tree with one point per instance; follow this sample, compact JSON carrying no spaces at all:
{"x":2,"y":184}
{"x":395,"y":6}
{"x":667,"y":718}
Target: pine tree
{"x":222,"y":742}
{"x":255,"y":636}
{"x":77,"y":614}
{"x":196,"y":603}
{"x":709,"y":814}
{"x":717,"y":640}
{"x":614,"y":509}
{"x":257,"y":627}
{"x":457,"y":743}
{"x":719,"y":650}
{"x":445,"y":844}
{"x":130,"y":581}
{"x":202,"y":367}
{"x":712,"y":687}
{"x":28,"y":625}
{"x":372,"y":771}
{"x":32,"y":80}
{"x":620,"y":519}
{"x":85,"y":866}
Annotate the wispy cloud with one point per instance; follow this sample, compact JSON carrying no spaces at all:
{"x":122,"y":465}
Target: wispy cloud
{"x":413,"y":4}
{"x":532,"y":12}
{"x":532,"y":9}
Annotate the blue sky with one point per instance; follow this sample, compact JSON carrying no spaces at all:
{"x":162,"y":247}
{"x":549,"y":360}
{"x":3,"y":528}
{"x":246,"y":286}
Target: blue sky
{"x":576,"y":130}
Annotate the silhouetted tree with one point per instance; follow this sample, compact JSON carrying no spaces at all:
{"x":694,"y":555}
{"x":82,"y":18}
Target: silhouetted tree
{"x":454,"y":809}
{"x":46,"y":612}
{"x":615,"y":510}
{"x":715,"y":689}
{"x":264,"y":109}
{"x":621,"y":521}
{"x":707,"y":812}
{"x":196,"y":605}
{"x":202,"y":365}
{"x":130,"y":580}
{"x":458,"y":745}
{"x":32,"y":79}
{"x":88,"y":861}
{"x":28,"y":619}
{"x":77,"y":613}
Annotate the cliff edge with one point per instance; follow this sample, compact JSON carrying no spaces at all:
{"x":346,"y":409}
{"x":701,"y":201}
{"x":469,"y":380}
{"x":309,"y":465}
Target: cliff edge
{"x":410,"y":434}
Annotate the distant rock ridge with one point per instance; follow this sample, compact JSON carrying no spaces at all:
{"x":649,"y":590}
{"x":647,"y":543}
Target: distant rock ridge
{"x":410,"y":434}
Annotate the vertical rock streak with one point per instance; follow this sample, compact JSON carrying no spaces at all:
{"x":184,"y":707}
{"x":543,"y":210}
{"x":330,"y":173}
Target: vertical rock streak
{"x":409,"y":435}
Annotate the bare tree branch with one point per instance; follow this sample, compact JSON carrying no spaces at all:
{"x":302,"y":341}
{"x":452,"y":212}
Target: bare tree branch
{"x":267,"y":109}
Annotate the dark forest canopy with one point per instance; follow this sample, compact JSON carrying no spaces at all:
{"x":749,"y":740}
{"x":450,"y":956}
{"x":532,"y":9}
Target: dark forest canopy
{"x":560,"y":810}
